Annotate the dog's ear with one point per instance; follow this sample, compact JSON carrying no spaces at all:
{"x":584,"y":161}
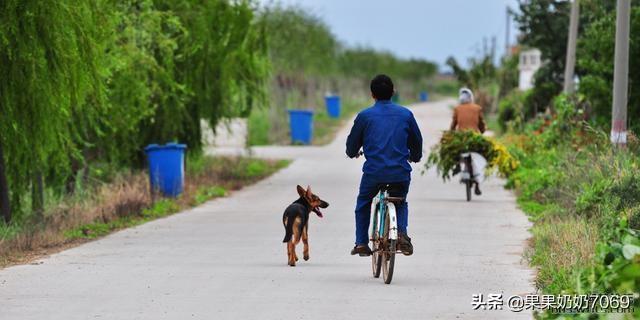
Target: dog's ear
{"x":301,"y":191}
{"x":309,"y":193}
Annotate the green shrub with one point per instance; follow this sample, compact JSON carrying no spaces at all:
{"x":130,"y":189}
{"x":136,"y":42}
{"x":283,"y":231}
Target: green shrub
{"x":511,"y":110}
{"x":626,"y":190}
{"x":161,"y":208}
{"x":205,"y":194}
{"x":255,"y":169}
{"x":9,"y":230}
{"x":592,"y":196}
{"x":258,"y":126}
{"x":634,"y":218}
{"x":196,"y":164}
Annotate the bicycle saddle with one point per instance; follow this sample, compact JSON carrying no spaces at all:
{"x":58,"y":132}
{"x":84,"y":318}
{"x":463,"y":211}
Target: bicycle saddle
{"x":395,"y":199}
{"x":392,"y":189}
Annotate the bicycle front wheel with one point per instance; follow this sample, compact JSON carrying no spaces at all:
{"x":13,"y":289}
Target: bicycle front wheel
{"x":388,"y":256}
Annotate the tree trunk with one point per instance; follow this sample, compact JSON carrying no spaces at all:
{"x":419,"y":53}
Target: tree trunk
{"x":37,"y":194}
{"x":5,"y":205}
{"x":70,"y":184}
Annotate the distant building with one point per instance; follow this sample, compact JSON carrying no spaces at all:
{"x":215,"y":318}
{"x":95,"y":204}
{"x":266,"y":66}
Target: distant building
{"x":231,"y":133}
{"x":529,"y":64}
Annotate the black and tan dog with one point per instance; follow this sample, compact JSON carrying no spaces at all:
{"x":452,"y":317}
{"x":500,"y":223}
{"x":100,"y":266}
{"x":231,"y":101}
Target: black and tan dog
{"x":296,"y":220}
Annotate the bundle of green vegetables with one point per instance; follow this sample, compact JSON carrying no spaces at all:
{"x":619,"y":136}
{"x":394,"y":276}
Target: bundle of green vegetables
{"x":446,"y":154}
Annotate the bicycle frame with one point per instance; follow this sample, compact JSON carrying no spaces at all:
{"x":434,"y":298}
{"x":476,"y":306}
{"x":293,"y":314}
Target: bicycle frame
{"x":380,"y":209}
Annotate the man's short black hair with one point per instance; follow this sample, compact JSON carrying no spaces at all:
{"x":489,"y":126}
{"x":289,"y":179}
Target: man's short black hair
{"x":382,"y":87}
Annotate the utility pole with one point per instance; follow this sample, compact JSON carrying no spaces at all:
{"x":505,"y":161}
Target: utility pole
{"x":621,"y":75}
{"x":570,"y":64}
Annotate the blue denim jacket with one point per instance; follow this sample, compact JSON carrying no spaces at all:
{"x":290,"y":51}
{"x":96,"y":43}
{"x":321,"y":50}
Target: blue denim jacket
{"x":390,"y":137}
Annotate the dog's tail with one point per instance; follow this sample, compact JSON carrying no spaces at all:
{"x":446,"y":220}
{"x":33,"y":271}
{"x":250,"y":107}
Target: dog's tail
{"x":288,"y":230}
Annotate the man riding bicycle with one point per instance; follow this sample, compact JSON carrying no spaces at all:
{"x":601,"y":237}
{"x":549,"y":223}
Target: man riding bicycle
{"x":468,"y":116}
{"x":390,"y":137}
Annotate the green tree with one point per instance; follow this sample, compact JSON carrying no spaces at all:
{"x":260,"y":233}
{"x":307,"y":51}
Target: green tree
{"x":224,"y":63}
{"x":139,"y":47}
{"x":544,"y":25}
{"x":148,"y":102}
{"x":49,"y":67}
{"x":596,"y":50}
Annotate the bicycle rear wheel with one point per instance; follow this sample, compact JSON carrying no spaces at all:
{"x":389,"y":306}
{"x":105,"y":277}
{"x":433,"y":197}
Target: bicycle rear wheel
{"x":468,"y":169}
{"x":388,"y":256}
{"x":376,"y":259}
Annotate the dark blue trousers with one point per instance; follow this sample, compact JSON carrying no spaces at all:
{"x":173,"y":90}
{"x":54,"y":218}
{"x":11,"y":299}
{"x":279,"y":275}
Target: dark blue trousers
{"x":368,"y":189}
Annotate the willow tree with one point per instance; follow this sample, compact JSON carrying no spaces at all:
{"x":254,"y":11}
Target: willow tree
{"x":48,"y":67}
{"x":225,"y":64}
{"x":144,"y":101}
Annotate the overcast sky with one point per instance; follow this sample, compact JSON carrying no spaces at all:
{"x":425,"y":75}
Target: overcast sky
{"x":431,"y":29}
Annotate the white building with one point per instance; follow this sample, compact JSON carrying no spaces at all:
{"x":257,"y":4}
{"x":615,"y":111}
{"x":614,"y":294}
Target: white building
{"x":229,"y":133}
{"x":530,"y":62}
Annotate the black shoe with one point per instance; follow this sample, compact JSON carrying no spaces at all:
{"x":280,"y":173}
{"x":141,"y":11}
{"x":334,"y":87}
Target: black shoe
{"x":362,"y":250}
{"x":477,"y":190}
{"x":404,"y":244}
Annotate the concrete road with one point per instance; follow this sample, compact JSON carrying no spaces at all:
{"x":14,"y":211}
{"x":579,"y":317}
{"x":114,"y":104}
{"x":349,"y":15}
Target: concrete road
{"x":225,"y":259}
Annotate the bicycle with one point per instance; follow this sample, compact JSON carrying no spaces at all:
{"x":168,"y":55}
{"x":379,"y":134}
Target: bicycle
{"x":467,"y":173}
{"x":384,"y":233}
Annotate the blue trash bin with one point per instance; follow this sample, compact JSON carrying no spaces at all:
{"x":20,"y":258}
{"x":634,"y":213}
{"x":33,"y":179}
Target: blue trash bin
{"x":166,"y":168}
{"x":424,"y":96}
{"x":301,"y":125}
{"x":333,"y":106}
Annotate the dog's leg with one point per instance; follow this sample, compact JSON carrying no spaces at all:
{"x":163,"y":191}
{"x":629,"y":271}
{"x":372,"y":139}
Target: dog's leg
{"x":284,"y":223}
{"x":291,"y":253}
{"x":293,"y":250}
{"x":305,"y":242}
{"x":296,"y":236}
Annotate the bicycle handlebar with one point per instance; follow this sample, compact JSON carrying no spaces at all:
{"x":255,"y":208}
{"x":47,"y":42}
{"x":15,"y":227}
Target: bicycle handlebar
{"x":358,"y":155}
